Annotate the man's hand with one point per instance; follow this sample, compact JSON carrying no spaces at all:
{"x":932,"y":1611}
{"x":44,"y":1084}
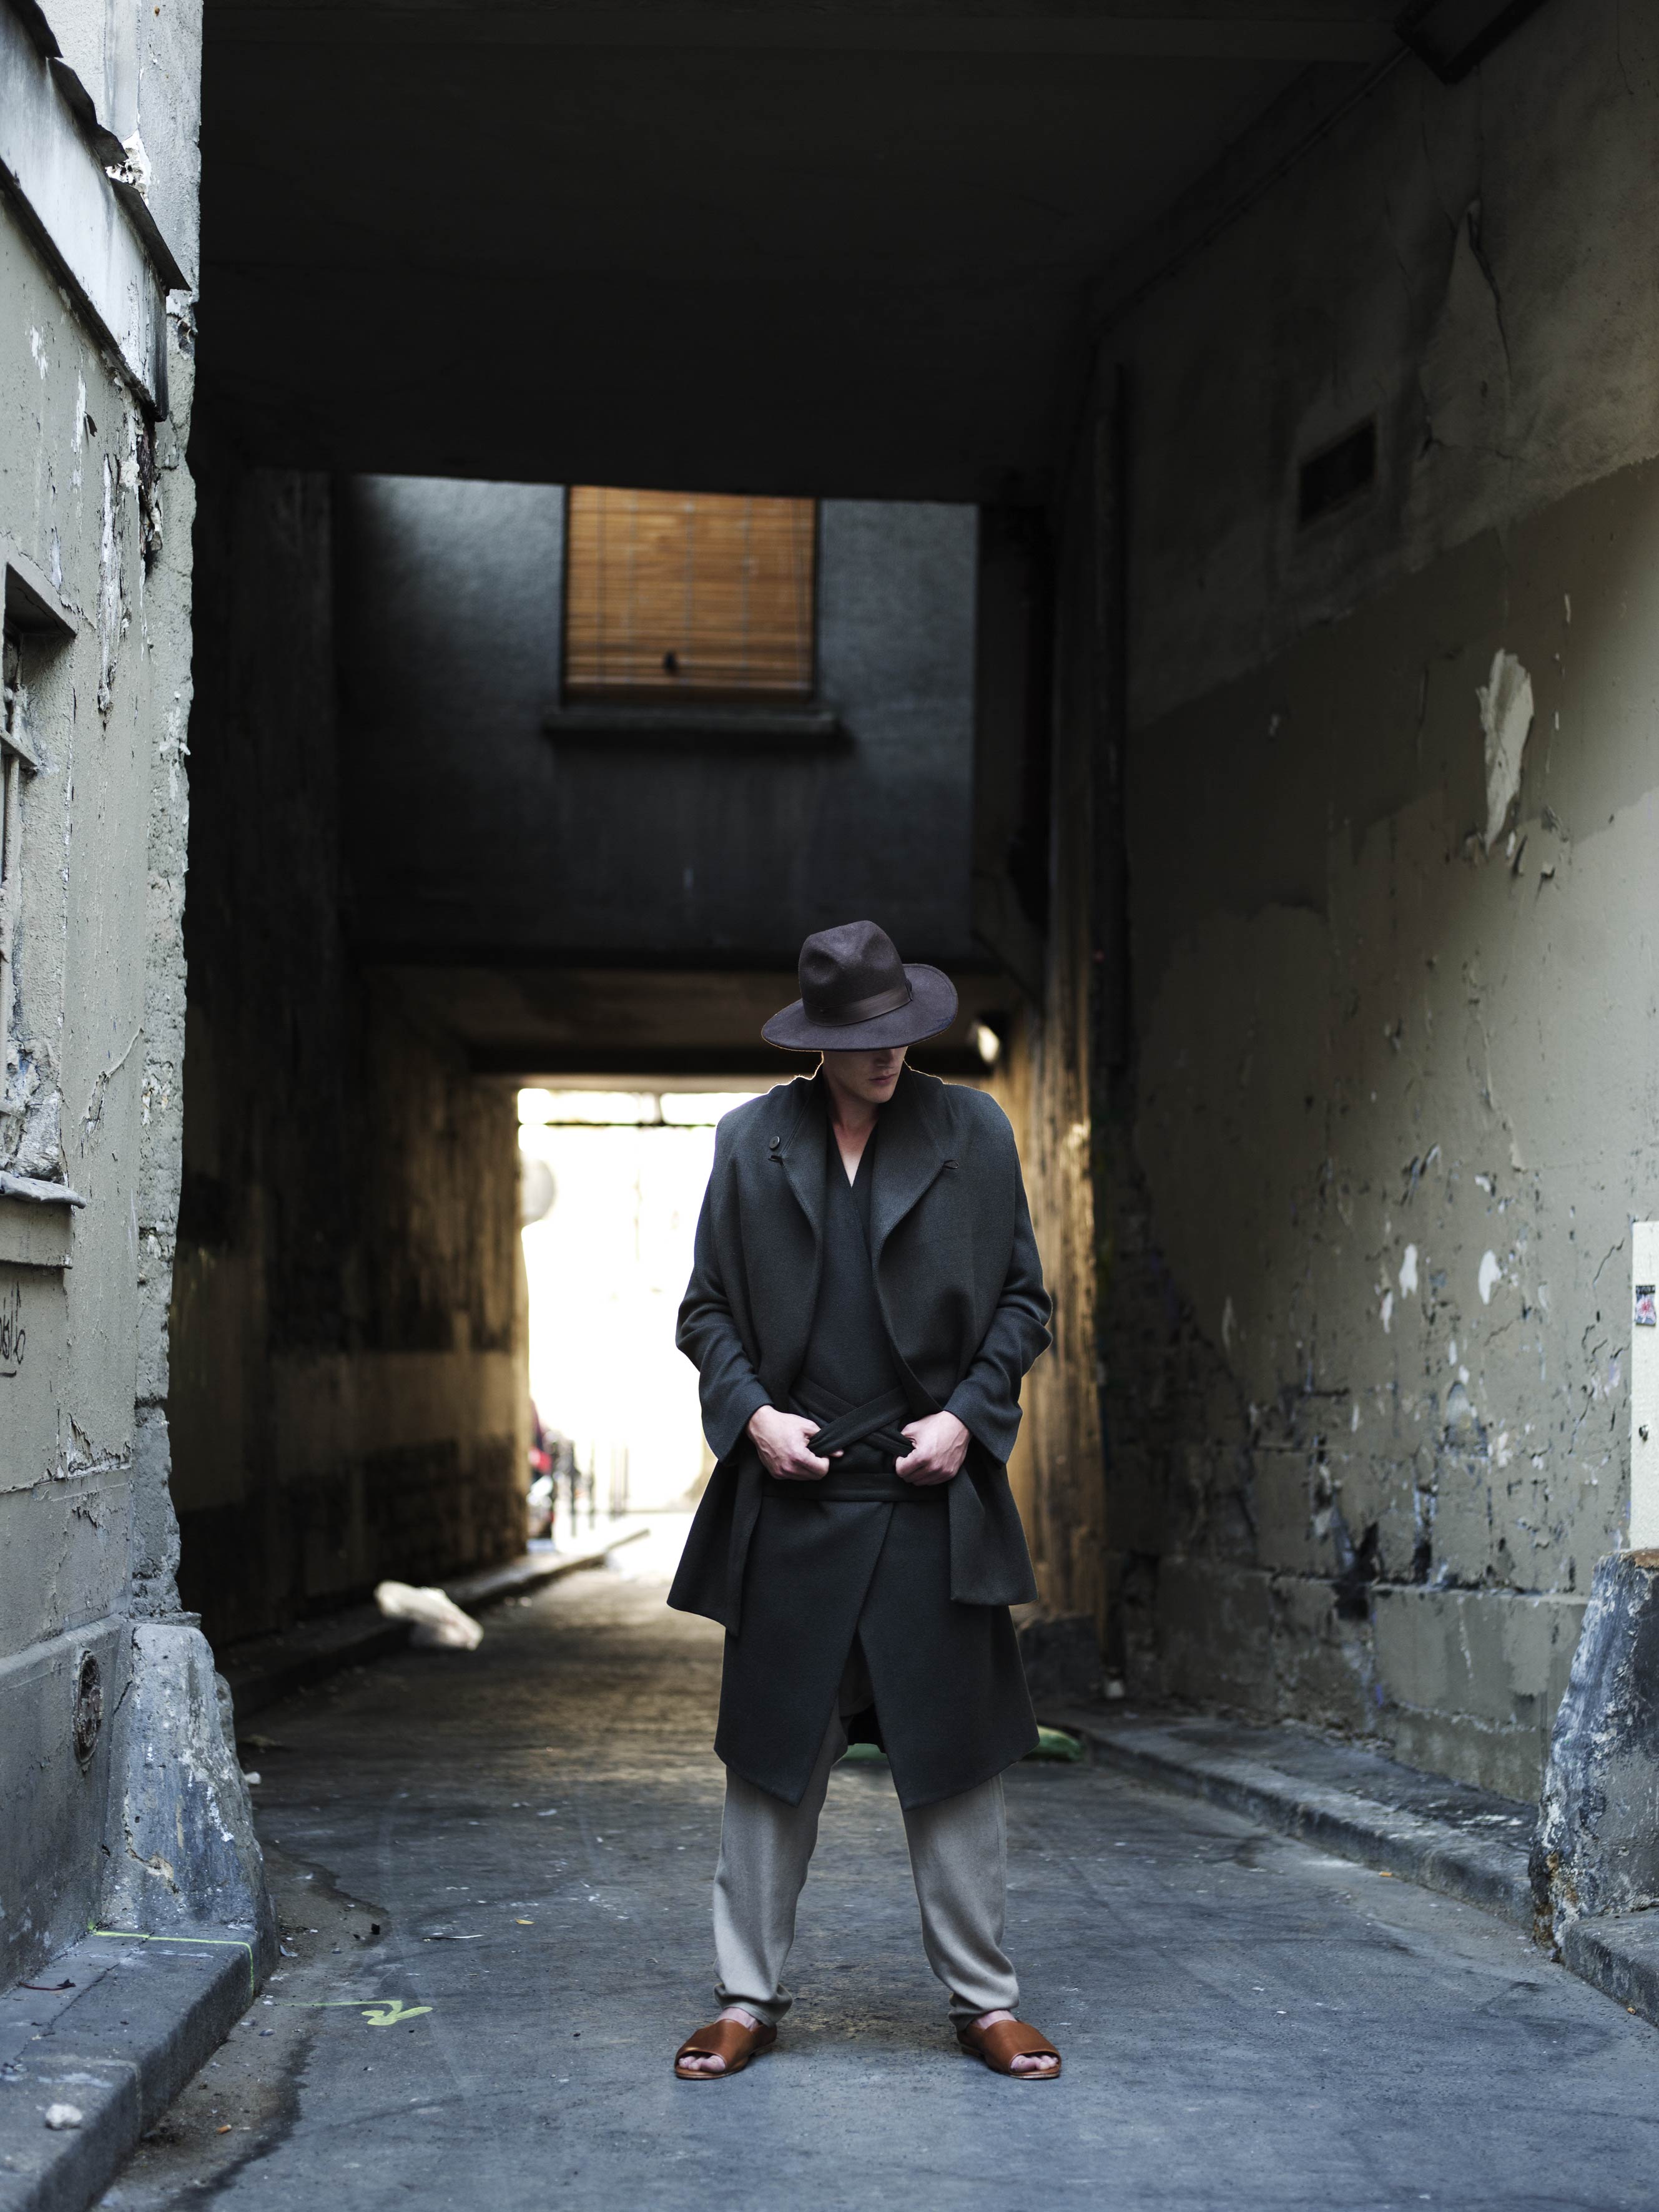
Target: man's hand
{"x":939,"y":1445}
{"x":783,"y":1441}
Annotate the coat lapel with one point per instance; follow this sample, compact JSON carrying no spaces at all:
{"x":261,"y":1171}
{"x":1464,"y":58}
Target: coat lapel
{"x":802,"y":1152}
{"x":908,"y":1160}
{"x":792,"y":1292}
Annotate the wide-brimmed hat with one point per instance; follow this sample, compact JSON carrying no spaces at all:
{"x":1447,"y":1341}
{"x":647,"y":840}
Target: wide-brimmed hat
{"x":857,"y":995}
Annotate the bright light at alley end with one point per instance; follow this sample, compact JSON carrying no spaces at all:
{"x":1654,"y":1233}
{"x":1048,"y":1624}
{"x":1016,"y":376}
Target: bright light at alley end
{"x":986,"y":1043}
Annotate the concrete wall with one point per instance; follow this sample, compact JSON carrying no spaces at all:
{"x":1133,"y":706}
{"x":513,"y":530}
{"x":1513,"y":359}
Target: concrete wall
{"x":1364,"y":1247}
{"x":478,"y":835}
{"x":1048,"y":1076}
{"x":95,"y":506}
{"x":350,"y":1397}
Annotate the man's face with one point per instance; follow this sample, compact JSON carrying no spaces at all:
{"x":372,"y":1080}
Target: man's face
{"x":871,"y":1076}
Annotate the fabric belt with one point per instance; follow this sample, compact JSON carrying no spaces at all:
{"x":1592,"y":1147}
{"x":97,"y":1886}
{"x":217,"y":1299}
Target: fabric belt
{"x":842,"y":1427}
{"x":879,"y":1422}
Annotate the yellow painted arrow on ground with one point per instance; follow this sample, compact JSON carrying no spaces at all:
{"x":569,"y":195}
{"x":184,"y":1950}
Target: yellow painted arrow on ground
{"x":379,"y":2012}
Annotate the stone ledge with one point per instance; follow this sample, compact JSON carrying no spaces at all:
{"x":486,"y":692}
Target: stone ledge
{"x":687,"y":725}
{"x":1448,"y":1836}
{"x":142,"y":2017}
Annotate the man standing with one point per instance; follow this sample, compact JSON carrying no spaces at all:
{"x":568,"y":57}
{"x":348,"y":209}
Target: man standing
{"x":866,"y":1299}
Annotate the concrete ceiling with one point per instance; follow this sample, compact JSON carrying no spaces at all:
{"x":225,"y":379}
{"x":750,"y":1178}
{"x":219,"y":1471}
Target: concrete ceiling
{"x":552,"y":1023}
{"x":814,"y":245}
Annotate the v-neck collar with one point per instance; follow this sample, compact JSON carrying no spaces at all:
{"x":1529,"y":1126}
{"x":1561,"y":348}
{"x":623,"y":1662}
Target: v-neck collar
{"x":909,"y":1160}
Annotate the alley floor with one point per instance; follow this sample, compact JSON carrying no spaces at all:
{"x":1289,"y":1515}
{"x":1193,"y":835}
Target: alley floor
{"x":494,"y":1868}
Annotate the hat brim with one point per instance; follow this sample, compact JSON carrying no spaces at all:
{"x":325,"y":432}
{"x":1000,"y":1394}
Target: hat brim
{"x":931,"y":1006}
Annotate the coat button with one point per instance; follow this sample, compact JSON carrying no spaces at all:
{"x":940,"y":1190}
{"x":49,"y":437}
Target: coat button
{"x":775,"y":1143}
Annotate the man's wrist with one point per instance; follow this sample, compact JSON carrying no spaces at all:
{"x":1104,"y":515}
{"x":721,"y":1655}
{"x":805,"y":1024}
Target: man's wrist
{"x":965,"y":1401}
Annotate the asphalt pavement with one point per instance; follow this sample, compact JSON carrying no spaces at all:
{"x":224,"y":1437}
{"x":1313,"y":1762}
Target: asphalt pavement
{"x":493,"y":1869}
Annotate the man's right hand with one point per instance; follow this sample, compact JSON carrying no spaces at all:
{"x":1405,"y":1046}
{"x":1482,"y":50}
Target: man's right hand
{"x":784,"y":1442}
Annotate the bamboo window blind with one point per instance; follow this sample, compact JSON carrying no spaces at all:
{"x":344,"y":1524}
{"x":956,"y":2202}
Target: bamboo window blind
{"x":689,"y":595}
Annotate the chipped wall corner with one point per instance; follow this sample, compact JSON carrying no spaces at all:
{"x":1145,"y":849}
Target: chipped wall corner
{"x":181,"y":1854}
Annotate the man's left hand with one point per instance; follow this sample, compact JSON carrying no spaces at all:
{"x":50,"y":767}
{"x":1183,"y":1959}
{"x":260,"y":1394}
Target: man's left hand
{"x":939,"y":1445}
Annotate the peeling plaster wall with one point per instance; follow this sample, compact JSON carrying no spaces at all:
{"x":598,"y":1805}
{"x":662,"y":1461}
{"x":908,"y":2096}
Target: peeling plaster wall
{"x":98,"y":500}
{"x":350,"y":1393}
{"x":1392,"y":802}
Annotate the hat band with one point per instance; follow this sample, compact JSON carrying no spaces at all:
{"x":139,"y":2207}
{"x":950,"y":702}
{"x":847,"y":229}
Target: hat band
{"x":863,"y":1010}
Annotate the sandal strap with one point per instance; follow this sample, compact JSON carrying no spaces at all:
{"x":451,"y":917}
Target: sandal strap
{"x":1004,"y":2040}
{"x":724,"y":2038}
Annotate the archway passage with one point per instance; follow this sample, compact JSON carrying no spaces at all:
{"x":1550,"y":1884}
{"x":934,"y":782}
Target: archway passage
{"x":1153,"y":502}
{"x":1052,"y":693}
{"x":613,"y":1183}
{"x":430,"y":870}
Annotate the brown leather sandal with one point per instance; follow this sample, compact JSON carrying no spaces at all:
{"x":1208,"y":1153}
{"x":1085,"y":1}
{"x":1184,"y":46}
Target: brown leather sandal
{"x":1003,"y":2041}
{"x":723,"y":2038}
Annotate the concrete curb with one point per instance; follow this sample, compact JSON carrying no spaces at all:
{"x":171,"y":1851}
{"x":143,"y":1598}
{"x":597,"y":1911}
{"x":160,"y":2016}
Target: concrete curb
{"x":1353,"y":1822}
{"x":536,"y":1568}
{"x":268,"y":1668}
{"x":1346,"y":1807}
{"x":1620,"y":1957}
{"x":143,"y":2015}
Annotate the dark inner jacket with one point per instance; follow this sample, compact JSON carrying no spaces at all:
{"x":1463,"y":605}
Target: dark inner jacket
{"x":848,"y":1362}
{"x":959,"y":1288}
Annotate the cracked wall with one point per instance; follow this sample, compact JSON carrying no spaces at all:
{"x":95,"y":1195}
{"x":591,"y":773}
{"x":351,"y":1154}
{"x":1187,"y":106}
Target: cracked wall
{"x":1392,"y":798}
{"x":95,"y":505}
{"x":349,"y":1393}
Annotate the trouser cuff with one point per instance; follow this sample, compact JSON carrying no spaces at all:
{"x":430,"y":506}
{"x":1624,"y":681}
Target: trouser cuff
{"x":768,"y":2010}
{"x":963,"y":2009}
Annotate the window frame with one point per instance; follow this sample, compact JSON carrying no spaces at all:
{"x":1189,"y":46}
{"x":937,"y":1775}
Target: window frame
{"x":37,"y":621}
{"x":17,"y":757}
{"x":689,"y":707}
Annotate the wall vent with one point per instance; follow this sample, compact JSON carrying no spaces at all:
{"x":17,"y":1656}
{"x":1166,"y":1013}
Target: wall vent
{"x":1337,"y":473}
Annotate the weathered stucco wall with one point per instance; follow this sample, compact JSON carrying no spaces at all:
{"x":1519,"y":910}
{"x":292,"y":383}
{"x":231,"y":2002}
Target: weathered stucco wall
{"x":95,"y":509}
{"x":1393,"y":976}
{"x":348,"y":1385}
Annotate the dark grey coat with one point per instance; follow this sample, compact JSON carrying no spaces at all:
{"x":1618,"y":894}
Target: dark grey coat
{"x":961,"y":1291}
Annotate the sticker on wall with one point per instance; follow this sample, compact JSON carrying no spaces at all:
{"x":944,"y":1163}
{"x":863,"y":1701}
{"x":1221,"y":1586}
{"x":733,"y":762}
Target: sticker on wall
{"x":1647,"y":1309}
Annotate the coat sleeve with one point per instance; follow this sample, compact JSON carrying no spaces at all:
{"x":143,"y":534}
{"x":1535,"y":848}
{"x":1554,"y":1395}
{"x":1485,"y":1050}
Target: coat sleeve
{"x":707,"y":1333}
{"x":987,"y":1399}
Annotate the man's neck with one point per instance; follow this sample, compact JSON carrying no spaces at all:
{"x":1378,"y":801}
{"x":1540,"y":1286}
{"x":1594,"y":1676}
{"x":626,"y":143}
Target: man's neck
{"x":852,"y":1120}
{"x":853,"y":1116}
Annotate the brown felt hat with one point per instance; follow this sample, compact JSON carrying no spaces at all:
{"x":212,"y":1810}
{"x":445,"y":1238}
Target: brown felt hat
{"x":857,"y":995}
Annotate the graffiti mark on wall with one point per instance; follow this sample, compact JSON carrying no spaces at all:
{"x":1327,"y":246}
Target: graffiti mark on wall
{"x":14,"y":1337}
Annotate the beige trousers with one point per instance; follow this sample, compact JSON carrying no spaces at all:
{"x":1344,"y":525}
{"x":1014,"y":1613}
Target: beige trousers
{"x":959,"y":1858}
